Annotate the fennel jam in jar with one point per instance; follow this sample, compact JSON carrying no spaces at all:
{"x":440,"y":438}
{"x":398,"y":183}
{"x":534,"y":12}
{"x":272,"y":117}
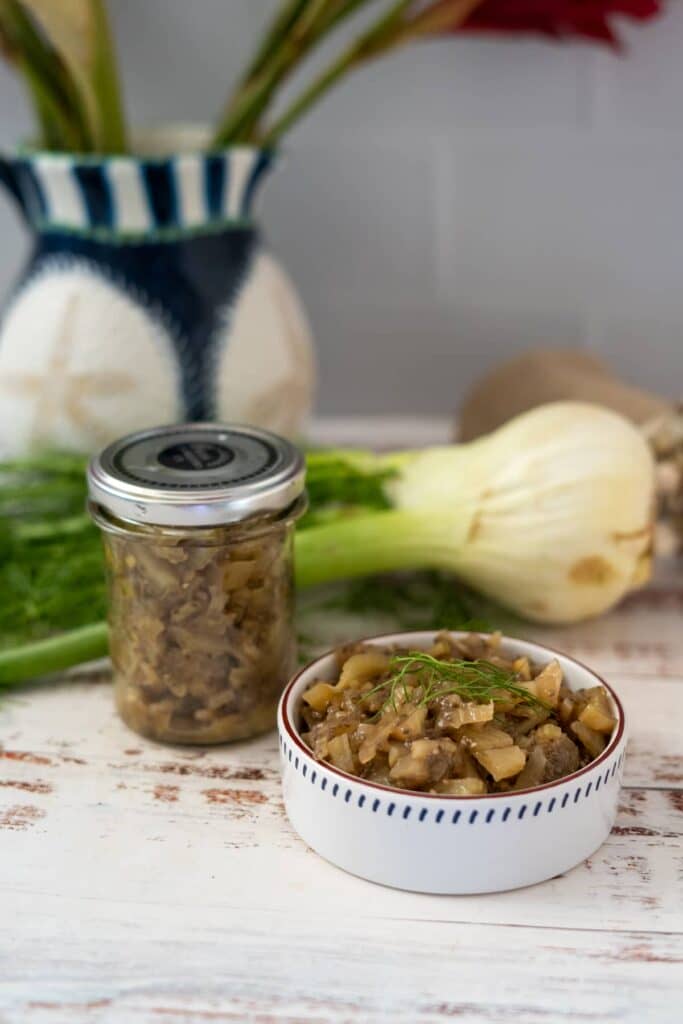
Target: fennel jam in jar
{"x":198,"y":526}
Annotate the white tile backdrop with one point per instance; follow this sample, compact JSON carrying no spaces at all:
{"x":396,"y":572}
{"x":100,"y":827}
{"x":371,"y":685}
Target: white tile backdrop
{"x":453,"y":205}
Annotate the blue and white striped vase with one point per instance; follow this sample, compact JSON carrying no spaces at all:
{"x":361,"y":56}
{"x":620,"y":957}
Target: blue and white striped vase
{"x":148,"y":298}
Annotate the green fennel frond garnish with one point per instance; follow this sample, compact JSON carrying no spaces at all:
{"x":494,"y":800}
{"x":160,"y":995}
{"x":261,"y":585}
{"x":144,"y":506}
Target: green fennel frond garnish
{"x":420,"y":678}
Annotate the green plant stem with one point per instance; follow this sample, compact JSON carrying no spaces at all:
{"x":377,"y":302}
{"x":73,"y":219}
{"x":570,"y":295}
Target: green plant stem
{"x":383,"y":541}
{"x":284,"y":20}
{"x":346,"y":9}
{"x":315,"y":91}
{"x":74,"y":86}
{"x":252,"y":98}
{"x":59,"y":111}
{"x":373,"y":42}
{"x":106,"y":86}
{"x":442,"y":16}
{"x":307,"y":25}
{"x":32,"y":660}
{"x":313,"y":17}
{"x":244,"y":113}
{"x":57,"y":129}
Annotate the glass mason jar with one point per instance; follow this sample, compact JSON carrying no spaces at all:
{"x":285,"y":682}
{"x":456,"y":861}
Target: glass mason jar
{"x":198,"y":524}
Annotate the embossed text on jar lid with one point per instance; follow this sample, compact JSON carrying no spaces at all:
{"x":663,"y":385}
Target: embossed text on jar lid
{"x":196,"y":474}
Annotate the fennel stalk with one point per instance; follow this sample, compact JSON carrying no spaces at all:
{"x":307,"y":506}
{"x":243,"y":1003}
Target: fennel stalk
{"x":54,"y":654}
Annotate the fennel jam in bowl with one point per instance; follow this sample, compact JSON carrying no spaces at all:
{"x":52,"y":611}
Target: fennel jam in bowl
{"x":198,"y":523}
{"x":449,"y":762}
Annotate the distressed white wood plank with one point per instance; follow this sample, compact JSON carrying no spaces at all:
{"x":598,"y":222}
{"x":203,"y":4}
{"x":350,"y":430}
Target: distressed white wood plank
{"x":654,"y":711}
{"x":139,"y":964}
{"x":80,"y":795}
{"x":236,"y":851}
{"x":642,"y":635}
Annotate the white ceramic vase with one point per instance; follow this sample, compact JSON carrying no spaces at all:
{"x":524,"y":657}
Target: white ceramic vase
{"x":148,"y":298}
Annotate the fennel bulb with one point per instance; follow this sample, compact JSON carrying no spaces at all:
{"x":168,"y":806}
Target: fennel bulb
{"x":551,"y":515}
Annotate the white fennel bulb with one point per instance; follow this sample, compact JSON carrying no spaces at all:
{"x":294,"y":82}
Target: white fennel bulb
{"x":551,"y":515}
{"x":553,"y":511}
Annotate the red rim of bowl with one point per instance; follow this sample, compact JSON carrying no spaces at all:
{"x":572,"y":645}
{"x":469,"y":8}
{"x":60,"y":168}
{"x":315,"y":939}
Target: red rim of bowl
{"x":413,"y":794}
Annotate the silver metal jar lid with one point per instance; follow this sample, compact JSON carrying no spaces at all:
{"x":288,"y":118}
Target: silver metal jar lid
{"x":196,"y":474}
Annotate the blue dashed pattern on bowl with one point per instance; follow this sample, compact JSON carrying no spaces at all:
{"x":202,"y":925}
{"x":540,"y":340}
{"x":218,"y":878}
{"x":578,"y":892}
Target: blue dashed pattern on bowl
{"x":437,"y":816}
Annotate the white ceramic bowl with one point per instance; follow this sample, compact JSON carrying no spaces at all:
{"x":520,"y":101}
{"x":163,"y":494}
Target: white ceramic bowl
{"x":447,"y":844}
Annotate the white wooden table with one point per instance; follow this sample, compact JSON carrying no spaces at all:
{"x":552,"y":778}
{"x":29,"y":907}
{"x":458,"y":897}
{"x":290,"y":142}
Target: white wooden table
{"x":152,"y":885}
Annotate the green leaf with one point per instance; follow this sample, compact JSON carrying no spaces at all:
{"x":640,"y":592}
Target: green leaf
{"x":79,"y":32}
{"x":56,"y":103}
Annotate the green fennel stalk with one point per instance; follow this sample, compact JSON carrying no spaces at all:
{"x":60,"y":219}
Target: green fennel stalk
{"x":384,"y":541}
{"x":52,"y":570}
{"x":54,"y":654}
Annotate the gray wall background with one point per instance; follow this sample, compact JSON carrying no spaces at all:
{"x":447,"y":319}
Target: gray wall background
{"x":451,"y":205}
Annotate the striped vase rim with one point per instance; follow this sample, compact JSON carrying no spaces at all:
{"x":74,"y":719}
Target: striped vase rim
{"x":137,"y":196}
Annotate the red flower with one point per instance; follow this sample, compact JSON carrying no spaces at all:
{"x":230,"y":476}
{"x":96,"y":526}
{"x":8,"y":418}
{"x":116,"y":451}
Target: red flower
{"x":559,"y":18}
